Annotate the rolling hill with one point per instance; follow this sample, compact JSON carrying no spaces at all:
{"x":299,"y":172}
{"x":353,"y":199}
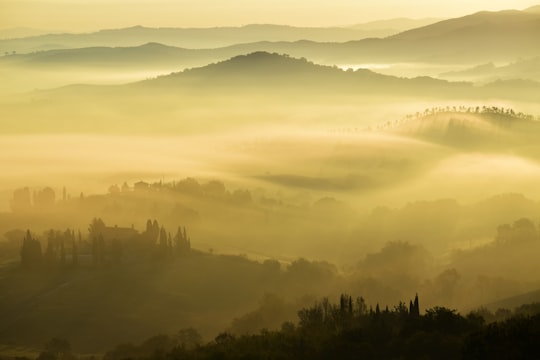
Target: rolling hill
{"x":270,"y":87}
{"x":490,"y":129}
{"x":265,"y":70}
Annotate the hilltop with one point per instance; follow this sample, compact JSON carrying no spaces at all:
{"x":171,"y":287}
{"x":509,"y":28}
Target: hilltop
{"x":265,"y":69}
{"x":487,"y":128}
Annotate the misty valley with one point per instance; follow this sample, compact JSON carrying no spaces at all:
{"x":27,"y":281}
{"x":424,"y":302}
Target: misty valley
{"x":272,"y":192}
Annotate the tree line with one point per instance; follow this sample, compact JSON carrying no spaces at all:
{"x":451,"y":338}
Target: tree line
{"x":103,"y":245}
{"x":351,"y":330}
{"x":502,"y":113}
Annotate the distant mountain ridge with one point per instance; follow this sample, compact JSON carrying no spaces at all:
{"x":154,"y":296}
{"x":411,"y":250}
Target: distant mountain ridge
{"x":514,"y":301}
{"x":195,"y":38}
{"x":451,"y":27}
{"x":533,"y":9}
{"x":398,"y":24}
{"x":521,"y":69}
{"x":28,"y":40}
{"x":478,"y":38}
{"x":20,"y":32}
{"x":152,"y":54}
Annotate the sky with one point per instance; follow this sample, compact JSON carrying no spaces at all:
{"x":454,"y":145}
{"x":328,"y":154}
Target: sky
{"x":86,"y":15}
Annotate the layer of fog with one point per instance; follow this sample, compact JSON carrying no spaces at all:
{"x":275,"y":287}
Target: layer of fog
{"x":16,"y":80}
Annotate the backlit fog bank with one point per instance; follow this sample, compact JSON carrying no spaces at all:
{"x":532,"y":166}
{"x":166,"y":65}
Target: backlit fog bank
{"x":148,"y":188}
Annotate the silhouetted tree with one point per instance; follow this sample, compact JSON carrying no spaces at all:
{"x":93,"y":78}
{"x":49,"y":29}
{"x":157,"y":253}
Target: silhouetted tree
{"x":181,"y":241}
{"x":440,"y":334}
{"x":148,"y":227}
{"x":361,"y":307}
{"x":31,"y":254}
{"x":56,"y":349}
{"x":155,"y":231}
{"x":51,"y":254}
{"x":163,"y":240}
{"x":416,"y":307}
{"x":96,"y":228}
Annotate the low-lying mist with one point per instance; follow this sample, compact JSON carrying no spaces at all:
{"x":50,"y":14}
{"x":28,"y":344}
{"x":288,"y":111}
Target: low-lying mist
{"x":214,"y":197}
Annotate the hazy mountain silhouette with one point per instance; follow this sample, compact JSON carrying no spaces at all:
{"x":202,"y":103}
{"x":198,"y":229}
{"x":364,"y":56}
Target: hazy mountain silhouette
{"x":521,"y":69}
{"x":515,"y":301}
{"x":20,"y":32}
{"x":260,"y":70}
{"x":481,"y":37}
{"x":489,"y":36}
{"x":264,"y":69}
{"x":480,"y":21}
{"x":149,"y":54}
{"x":397,"y":24}
{"x":194,"y":37}
{"x":533,"y":9}
{"x":259,"y":65}
{"x":279,"y":78}
{"x":485,"y":35}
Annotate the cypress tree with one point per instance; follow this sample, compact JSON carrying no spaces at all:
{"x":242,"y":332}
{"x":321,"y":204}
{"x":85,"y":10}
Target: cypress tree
{"x":416,"y":306}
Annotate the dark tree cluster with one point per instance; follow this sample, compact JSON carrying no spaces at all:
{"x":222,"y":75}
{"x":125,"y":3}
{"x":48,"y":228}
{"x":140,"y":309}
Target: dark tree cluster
{"x":31,"y":254}
{"x":114,"y":244}
{"x":493,"y":110}
{"x":167,"y":245}
{"x":104,"y":245}
{"x":212,"y":189}
{"x":57,"y":349}
{"x":57,"y":247}
{"x":505,"y":115}
{"x":349,"y":330}
{"x":157,"y":346}
{"x":522,"y":231}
